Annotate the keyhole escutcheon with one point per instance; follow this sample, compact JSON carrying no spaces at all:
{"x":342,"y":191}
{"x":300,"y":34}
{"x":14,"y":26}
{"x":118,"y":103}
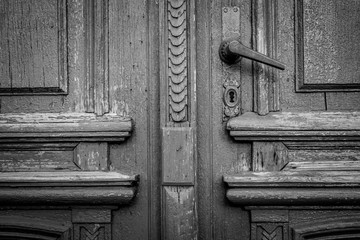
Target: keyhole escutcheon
{"x":231,"y":97}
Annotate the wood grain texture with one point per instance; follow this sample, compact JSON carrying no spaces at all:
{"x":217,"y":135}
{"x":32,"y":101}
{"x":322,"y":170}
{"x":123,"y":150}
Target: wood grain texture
{"x":269,"y":156}
{"x":66,"y":188}
{"x":67,"y":178}
{"x":294,"y":126}
{"x":134,"y":91}
{"x":33,"y":40}
{"x":178,"y":159}
{"x":294,"y":179}
{"x":323,"y":165}
{"x":289,"y":197}
{"x":179,"y":207}
{"x":217,"y":153}
{"x":92,"y":156}
{"x":37,"y":161}
{"x":77,"y":127}
{"x":267,"y":85}
{"x":97,"y":56}
{"x":316,"y":121}
{"x":178,"y":118}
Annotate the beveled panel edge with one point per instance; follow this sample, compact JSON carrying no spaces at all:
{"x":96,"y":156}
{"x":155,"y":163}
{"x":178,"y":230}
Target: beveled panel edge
{"x":63,"y":80}
{"x":300,"y":85}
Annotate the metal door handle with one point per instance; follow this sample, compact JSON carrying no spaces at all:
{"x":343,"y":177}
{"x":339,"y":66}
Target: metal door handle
{"x":231,"y":52}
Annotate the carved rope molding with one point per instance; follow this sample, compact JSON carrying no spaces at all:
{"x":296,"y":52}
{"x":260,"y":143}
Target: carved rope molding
{"x":177,"y":60}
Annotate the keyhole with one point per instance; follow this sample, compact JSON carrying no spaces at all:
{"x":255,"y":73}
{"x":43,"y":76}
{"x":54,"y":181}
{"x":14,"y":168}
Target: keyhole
{"x":232,"y":96}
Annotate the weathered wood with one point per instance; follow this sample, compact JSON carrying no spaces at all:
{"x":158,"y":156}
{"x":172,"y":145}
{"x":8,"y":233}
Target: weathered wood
{"x":283,"y":179}
{"x":175,"y":54}
{"x":308,"y":145}
{"x":179,"y":219}
{"x":33,"y":42}
{"x":308,"y":126}
{"x":37,"y":161}
{"x":66,"y":188}
{"x":178,"y":156}
{"x":300,"y":121}
{"x":334,"y":71}
{"x":134,"y":91}
{"x":92,"y":156}
{"x":77,"y":127}
{"x":268,"y":156}
{"x":285,"y":196}
{"x":321,"y":165}
{"x":97,"y":59}
{"x":178,"y":118}
{"x":265,"y":41}
{"x":287,"y":34}
{"x":67,"y":178}
{"x":116,"y":196}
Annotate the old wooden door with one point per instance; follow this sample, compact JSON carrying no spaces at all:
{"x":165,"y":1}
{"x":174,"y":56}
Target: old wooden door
{"x":281,"y":145}
{"x":119,"y":120}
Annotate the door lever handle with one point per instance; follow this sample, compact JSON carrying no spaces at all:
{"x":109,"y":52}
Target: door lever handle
{"x":231,"y":51}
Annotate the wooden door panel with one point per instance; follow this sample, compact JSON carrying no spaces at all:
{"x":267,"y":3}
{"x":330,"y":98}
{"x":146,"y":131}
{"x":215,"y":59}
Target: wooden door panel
{"x":313,"y":147}
{"x":34,"y":47}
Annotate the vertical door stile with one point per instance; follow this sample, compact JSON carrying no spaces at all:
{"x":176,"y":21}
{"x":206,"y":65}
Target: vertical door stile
{"x":178,"y":118}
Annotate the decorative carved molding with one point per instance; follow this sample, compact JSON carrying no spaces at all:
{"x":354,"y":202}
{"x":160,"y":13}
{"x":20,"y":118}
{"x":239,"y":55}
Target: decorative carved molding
{"x":293,"y":126}
{"x":268,"y":231}
{"x":177,"y":116}
{"x":66,"y":188}
{"x":74,"y":127}
{"x":20,"y":44}
{"x":95,"y":231}
{"x":178,"y":60}
{"x":97,"y":56}
{"x":294,"y":188}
